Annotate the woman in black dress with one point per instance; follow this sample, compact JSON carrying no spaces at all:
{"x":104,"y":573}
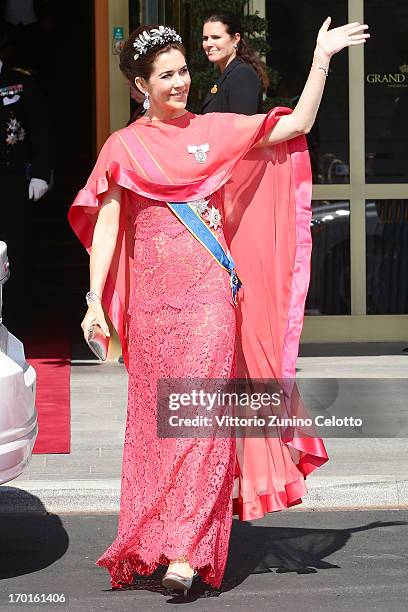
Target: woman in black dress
{"x":243,"y":76}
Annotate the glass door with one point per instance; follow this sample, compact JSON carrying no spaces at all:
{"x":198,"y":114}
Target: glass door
{"x":386,"y":169}
{"x":359,"y":154}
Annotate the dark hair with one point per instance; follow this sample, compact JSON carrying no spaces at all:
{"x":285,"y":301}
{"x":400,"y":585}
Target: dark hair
{"x":143,"y":66}
{"x":244,"y":51}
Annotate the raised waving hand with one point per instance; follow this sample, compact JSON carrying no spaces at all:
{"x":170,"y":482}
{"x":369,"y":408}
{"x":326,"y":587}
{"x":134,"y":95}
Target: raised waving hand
{"x":328,"y":43}
{"x":332,"y":41}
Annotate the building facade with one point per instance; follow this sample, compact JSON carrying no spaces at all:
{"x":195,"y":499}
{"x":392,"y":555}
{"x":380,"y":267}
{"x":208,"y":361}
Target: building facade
{"x":359,"y":150}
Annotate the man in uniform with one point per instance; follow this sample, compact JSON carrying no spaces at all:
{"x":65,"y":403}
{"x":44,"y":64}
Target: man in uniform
{"x":25,"y":172}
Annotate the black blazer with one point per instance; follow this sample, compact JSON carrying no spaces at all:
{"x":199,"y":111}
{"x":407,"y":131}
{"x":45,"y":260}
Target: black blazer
{"x":239,"y":90}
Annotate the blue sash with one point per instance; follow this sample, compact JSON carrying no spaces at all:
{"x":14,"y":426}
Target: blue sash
{"x":196,"y":225}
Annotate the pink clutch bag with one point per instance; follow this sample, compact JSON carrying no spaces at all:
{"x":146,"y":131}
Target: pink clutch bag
{"x":98,"y":342}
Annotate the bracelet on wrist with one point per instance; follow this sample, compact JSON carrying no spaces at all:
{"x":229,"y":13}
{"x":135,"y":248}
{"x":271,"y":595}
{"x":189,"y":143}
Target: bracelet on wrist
{"x":91,"y":296}
{"x":324,"y":68}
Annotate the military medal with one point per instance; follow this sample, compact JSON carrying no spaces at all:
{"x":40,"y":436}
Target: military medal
{"x":211,"y":215}
{"x":199,"y":152}
{"x":199,"y":206}
{"x":214,"y":217}
{"x":14,"y":131}
{"x":214,"y":89}
{"x":11,"y":90}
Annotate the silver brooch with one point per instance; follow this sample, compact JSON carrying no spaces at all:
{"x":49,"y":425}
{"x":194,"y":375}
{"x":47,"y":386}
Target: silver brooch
{"x":214,"y":217}
{"x":199,"y":152}
{"x":199,"y":206}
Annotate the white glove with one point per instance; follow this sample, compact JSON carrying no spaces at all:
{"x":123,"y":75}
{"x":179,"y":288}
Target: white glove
{"x":37,"y":188}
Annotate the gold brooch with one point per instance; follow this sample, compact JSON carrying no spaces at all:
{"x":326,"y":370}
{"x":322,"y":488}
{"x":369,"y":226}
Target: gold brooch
{"x":214,"y":89}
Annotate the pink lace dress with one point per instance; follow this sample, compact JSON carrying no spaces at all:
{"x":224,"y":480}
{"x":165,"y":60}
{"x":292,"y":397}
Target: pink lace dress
{"x":176,"y":495}
{"x":170,"y":302}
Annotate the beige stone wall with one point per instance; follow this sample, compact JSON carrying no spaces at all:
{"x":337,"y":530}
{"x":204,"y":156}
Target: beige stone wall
{"x":257,"y":5}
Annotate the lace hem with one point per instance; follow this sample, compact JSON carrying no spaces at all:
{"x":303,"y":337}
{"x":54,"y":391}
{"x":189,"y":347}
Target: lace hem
{"x":122,"y":572}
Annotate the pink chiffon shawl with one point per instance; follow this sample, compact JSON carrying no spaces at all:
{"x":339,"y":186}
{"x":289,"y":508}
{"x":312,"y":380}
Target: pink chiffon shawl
{"x":267,"y":217}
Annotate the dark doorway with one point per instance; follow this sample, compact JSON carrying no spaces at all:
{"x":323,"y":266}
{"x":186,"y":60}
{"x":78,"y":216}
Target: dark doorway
{"x":59,"y":265}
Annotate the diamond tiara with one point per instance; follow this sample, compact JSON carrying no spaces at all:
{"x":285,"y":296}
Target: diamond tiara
{"x":152,"y":38}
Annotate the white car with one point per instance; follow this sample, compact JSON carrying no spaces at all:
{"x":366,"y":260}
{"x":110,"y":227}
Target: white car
{"x":18,"y":414}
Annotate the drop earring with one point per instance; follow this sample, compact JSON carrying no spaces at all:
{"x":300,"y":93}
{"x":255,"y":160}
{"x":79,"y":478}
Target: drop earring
{"x":146,"y":102}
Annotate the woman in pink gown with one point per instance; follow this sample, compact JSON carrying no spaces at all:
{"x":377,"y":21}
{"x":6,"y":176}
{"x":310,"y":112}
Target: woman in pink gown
{"x":172,"y":305}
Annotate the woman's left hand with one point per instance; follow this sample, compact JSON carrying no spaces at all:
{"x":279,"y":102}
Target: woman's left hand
{"x":332,"y":41}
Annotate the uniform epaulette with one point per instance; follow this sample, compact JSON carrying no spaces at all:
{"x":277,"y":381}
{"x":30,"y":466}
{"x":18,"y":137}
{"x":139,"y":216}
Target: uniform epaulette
{"x":23,"y":71}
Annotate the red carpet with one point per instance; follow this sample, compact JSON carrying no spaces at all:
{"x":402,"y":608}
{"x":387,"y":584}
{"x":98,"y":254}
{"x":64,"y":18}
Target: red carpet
{"x":50,"y":357}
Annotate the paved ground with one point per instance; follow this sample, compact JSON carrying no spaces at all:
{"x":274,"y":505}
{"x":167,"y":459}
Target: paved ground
{"x":332,"y":561}
{"x":361,"y":472}
{"x":353,"y":560}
